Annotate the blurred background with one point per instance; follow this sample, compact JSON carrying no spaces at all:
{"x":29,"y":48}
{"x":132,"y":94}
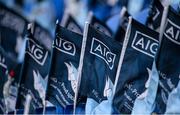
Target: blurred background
{"x":46,"y":12}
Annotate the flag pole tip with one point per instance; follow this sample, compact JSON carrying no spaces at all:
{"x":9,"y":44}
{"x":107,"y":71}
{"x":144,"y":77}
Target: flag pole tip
{"x":57,"y":21}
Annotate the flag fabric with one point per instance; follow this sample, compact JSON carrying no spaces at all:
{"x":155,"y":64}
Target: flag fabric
{"x":167,"y":64}
{"x":99,"y":64}
{"x":13,"y":28}
{"x":63,"y":72}
{"x":70,"y":23}
{"x":154,"y":19}
{"x":99,"y":25}
{"x":136,"y":66}
{"x":34,"y":74}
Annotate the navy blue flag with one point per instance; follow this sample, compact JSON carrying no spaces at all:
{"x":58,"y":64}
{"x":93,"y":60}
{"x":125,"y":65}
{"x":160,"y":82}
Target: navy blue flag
{"x":136,"y":66}
{"x":34,"y":74}
{"x":70,"y":23}
{"x":7,"y":65}
{"x":155,"y":15}
{"x":167,"y":60}
{"x":99,"y":25}
{"x":63,"y":72}
{"x":12,"y":27}
{"x":99,"y":67}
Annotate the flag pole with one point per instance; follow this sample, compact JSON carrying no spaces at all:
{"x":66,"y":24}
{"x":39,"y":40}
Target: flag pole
{"x":89,"y":17}
{"x":81,"y":64}
{"x":125,"y":43}
{"x":27,"y":104}
{"x":122,"y":13}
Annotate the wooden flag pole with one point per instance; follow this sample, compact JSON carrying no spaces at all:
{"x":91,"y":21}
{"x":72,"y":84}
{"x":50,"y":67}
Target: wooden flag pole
{"x":125,"y":43}
{"x":80,"y":64}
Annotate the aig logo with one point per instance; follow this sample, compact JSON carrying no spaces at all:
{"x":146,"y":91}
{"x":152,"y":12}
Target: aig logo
{"x":99,"y":49}
{"x":145,"y":44}
{"x":2,"y":62}
{"x":172,"y":32}
{"x":38,"y":53}
{"x":64,"y":46}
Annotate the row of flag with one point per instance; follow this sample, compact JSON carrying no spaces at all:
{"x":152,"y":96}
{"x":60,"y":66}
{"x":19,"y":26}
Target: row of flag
{"x":90,"y":70}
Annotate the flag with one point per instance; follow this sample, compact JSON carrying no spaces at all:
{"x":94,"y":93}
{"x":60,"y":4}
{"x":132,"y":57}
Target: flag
{"x":63,"y":72}
{"x":99,"y":65}
{"x":155,"y":15}
{"x":99,"y":25}
{"x":70,"y":23}
{"x":140,"y":48}
{"x":167,"y":64}
{"x":13,"y":28}
{"x":34,"y":74}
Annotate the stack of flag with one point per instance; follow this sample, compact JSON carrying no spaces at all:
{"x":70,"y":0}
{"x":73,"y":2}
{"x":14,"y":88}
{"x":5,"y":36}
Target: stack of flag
{"x":91,"y":69}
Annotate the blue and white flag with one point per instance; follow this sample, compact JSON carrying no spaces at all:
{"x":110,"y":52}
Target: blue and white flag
{"x":167,"y":64}
{"x":98,"y":66}
{"x":34,"y":74}
{"x":141,"y":47}
{"x":62,"y":81}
